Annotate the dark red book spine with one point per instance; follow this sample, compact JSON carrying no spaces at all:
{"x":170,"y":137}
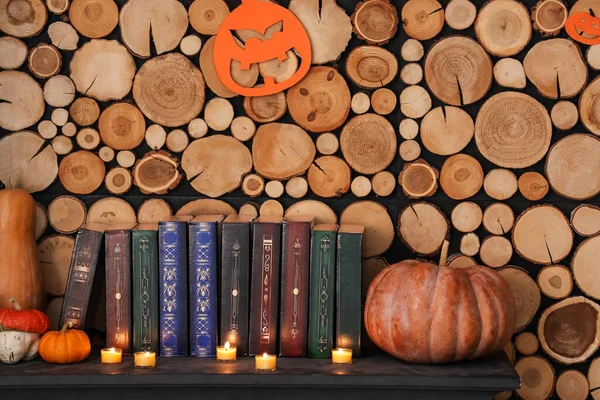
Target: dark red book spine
{"x":118,"y":290}
{"x":264,"y":293}
{"x":293,"y":328}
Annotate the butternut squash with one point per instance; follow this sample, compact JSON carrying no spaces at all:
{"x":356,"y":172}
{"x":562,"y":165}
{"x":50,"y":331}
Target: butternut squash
{"x":20,"y":272}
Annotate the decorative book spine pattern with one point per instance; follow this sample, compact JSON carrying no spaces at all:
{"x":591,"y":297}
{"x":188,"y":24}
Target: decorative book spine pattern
{"x":264,"y":300}
{"x":320,"y":327}
{"x":293,"y":326}
{"x":145,"y":290}
{"x":118,"y":289}
{"x":203,"y":288}
{"x":348,"y":291}
{"x":81,"y":276}
{"x":172,"y":247}
{"x":235,"y":288}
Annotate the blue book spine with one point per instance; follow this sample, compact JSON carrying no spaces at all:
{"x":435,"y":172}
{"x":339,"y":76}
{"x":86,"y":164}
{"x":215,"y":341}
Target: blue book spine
{"x":203,"y":238}
{"x":172,"y":245}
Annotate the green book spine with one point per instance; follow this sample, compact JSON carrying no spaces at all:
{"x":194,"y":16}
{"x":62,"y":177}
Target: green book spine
{"x":322,"y":293}
{"x":144,"y":251}
{"x":348,"y":290}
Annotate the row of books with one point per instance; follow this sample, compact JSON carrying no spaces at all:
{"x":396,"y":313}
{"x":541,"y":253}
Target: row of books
{"x":184,"y":285}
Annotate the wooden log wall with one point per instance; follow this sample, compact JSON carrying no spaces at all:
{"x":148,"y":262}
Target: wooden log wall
{"x":424,"y":119}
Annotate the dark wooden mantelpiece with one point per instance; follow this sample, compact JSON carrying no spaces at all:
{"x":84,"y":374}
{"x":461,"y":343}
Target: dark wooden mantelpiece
{"x":377,"y":377}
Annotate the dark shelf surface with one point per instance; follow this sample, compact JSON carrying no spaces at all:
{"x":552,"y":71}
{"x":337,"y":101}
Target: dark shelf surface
{"x":494,"y":373}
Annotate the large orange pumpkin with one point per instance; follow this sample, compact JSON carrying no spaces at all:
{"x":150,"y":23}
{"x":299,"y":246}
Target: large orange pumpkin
{"x":423,"y":313}
{"x":65,"y":346}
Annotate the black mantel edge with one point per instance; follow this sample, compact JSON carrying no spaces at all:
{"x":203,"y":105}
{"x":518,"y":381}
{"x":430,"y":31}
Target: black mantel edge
{"x":493,"y":374}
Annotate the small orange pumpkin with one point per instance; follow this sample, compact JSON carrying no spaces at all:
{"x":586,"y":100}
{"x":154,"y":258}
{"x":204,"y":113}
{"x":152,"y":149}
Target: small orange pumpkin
{"x":65,"y":346}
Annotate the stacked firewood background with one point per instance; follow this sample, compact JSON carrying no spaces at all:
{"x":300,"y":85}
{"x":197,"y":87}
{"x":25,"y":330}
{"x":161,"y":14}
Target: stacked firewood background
{"x":423,"y":120}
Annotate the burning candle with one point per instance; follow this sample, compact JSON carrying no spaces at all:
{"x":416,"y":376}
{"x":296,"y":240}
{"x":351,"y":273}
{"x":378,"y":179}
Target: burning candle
{"x":341,"y":356}
{"x":111,"y":356}
{"x":144,"y":359}
{"x":226,"y":352}
{"x":266,"y":362}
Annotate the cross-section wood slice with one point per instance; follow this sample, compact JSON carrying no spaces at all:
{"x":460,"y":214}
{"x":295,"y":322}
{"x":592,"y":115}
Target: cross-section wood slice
{"x":411,"y":74}
{"x":412,"y":50}
{"x":409,"y":150}
{"x":527,"y":343}
{"x":458,"y":70}
{"x":555,"y":281}
{"x":177,"y":141}
{"x":409,"y":128}
{"x":282,"y":151}
{"x":55,"y":259}
{"x":460,"y":14}
{"x":66,"y":214}
{"x":271,"y":208}
{"x":126,"y":158}
{"x":320,"y":102}
{"x":190,"y":45}
{"x":565,"y":115}
{"x":297,"y":187}
{"x":447,"y":130}
{"x":253,"y":185}
{"x":542,"y":235}
{"x":243,"y":128}
{"x":498,"y":219}
{"x":466,"y":216}
{"x":215,"y":165}
{"x":94,"y":18}
{"x":250,"y":209}
{"x":361,"y":102}
{"x":118,"y":181}
{"x":63,"y":36}
{"x":243,"y":77}
{"x":375,"y":21}
{"x":122,"y":126}
{"x":556,"y":67}
{"x":103,"y":69}
{"x":21,"y":101}
{"x":160,"y":22}
{"x":469,"y":244}
{"x":266,"y":109}
{"x":218,"y":114}
{"x":537,"y":378}
{"x":415,"y":101}
{"x":57,"y":7}
{"x":44,"y":61}
{"x":368,"y":143}
{"x":169,"y":90}
{"x":383,"y":183}
{"x":22,"y":18}
{"x":111,"y":210}
{"x":81,"y":172}
{"x":197,"y":128}
{"x":572,"y":166}
{"x":418,"y":179}
{"x":423,"y":228}
{"x":569,"y":331}
{"x":327,"y":143}
{"x":88,"y":139}
{"x":47,"y":129}
{"x":156,"y":136}
{"x":589,"y":107}
{"x":513,"y":130}
{"x":329,"y":176}
{"x":60,"y":116}
{"x":422,"y":19}
{"x":280,"y":71}
{"x":156,"y":173}
{"x":503,"y":27}
{"x":549,"y":16}
{"x":27,"y":162}
{"x":533,"y":186}
{"x":384,"y":101}
{"x":69,"y":129}
{"x":361,"y":186}
{"x":585,"y":220}
{"x":206,"y":16}
{"x":153,"y":210}
{"x":500,"y":184}
{"x":371,"y":67}
{"x":13,"y":52}
{"x":379,"y":229}
{"x":322,"y":213}
{"x":585,"y":264}
{"x":460,"y":261}
{"x":461,"y":176}
{"x":594,"y":378}
{"x":526,"y":292}
{"x":274,"y":189}
{"x":41,"y":221}
{"x":84,"y":111}
{"x":509,"y":72}
{"x":572,"y":385}
{"x":593,"y":56}
{"x":327,"y":25}
{"x":62,"y":145}
{"x":495,"y":251}
{"x":206,"y":207}
{"x":510,"y":352}
{"x":59,"y":91}
{"x":585,"y":6}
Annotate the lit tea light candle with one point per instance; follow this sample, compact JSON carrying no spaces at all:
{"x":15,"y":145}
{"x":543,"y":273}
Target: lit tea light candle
{"x":266,"y":362}
{"x":111,"y":356}
{"x":341,"y":356}
{"x":226,"y":352}
{"x":144,"y":359}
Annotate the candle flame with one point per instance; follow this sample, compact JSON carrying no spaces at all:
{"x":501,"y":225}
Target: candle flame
{"x":147,"y":353}
{"x":112,"y":349}
{"x":227,"y":345}
{"x":264,"y":355}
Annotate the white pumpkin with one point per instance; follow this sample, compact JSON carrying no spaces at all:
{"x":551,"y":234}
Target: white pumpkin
{"x":16,"y":346}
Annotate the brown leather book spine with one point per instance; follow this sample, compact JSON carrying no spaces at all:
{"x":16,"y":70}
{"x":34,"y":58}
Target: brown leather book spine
{"x":293,"y":327}
{"x":264,"y":293}
{"x":118,"y":290}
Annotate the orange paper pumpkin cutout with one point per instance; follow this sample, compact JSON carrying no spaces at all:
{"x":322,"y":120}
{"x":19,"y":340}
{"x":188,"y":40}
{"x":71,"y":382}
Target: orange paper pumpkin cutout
{"x":259,"y":16}
{"x":584,"y":23}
